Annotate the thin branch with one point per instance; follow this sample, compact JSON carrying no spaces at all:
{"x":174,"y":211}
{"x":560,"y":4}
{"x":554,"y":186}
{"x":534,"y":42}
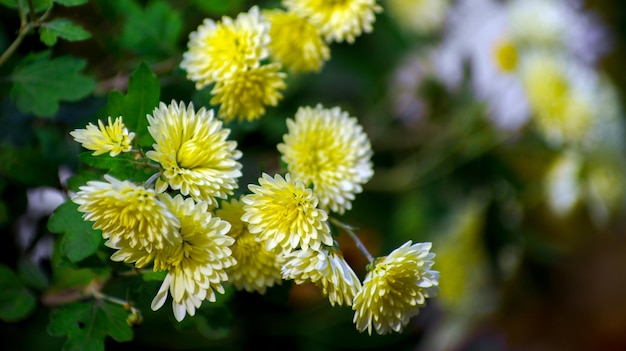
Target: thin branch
{"x":350,"y":231}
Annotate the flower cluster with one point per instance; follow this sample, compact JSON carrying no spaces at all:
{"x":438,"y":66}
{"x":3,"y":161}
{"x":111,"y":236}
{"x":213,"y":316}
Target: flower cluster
{"x":246,"y":59}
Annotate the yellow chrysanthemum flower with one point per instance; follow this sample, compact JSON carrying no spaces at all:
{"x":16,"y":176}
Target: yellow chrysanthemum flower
{"x":197,"y":264}
{"x":191,"y":147}
{"x":131,"y":217}
{"x":327,"y":269}
{"x":245,"y":93}
{"x":113,"y":138}
{"x":295,"y":42}
{"x":283,"y":213}
{"x":421,"y":16}
{"x":257,"y":268}
{"x":326,"y":148}
{"x":395,"y":289}
{"x":216,"y":50}
{"x":558,"y":94}
{"x":337,"y":20}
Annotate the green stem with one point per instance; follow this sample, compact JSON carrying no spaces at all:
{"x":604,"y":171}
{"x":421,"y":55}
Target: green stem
{"x":350,"y":231}
{"x":14,"y":45}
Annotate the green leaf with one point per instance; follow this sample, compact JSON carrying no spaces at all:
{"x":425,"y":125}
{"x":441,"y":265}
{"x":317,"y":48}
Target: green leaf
{"x":16,"y":302}
{"x":123,"y":166}
{"x":154,"y":276}
{"x":61,"y":28}
{"x":141,"y":36}
{"x":140,"y":100}
{"x":32,"y":275}
{"x":28,"y":166}
{"x":9,"y":3}
{"x":79,"y":240}
{"x":87,"y":324}
{"x":69,"y":3}
{"x":40,"y":83}
{"x":41,"y":5}
{"x":220,"y":7}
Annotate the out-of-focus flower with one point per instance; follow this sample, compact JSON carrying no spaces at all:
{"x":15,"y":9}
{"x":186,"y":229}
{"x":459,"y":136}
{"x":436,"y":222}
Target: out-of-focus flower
{"x":295,"y":42}
{"x":562,"y":183}
{"x":478,"y":34}
{"x":197,"y":264}
{"x":395,"y":289}
{"x":605,"y":181}
{"x":191,"y":147}
{"x":283,"y":213}
{"x":216,"y":50}
{"x":245,"y":93}
{"x":131,"y":217}
{"x":326,"y":148}
{"x":420,"y":16}
{"x":257,"y":268}
{"x":337,"y":20}
{"x":327,"y":269}
{"x":113,"y":138}
{"x":404,"y":89}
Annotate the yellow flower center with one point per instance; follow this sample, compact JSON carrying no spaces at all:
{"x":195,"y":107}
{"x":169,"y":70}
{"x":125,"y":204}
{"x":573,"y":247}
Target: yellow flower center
{"x":192,"y":154}
{"x":505,"y":55}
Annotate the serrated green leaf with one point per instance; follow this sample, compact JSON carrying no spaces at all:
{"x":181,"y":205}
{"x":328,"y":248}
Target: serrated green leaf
{"x":40,"y":83}
{"x":69,"y":3}
{"x":16,"y":301}
{"x":87,"y":324}
{"x":61,"y":28}
{"x":140,"y":100}
{"x":79,"y":240}
{"x":32,"y":275}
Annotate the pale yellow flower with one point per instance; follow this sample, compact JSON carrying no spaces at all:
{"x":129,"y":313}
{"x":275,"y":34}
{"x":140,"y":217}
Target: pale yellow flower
{"x":113,"y":138}
{"x":282,"y":212}
{"x":193,"y":149}
{"x":216,"y":50}
{"x":337,"y":20}
{"x":328,"y":150}
{"x":131,"y":217}
{"x":420,"y":16}
{"x":197,"y":264}
{"x":295,"y":42}
{"x":257,"y":268}
{"x":395,"y":289}
{"x":327,"y":269}
{"x":245,"y":94}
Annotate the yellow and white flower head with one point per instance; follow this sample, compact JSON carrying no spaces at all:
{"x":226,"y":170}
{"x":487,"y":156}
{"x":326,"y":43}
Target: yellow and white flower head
{"x":196,"y":266}
{"x":419,"y":16}
{"x":562,"y":24}
{"x":216,"y":50}
{"x":244,"y":94}
{"x":193,"y":150}
{"x":562,"y":93}
{"x":337,"y":20}
{"x":113,"y":138}
{"x":478,"y":34}
{"x":131,"y":217}
{"x":257,"y":268}
{"x":282,"y":212}
{"x":327,"y":269}
{"x":328,"y":149}
{"x":295,"y":42}
{"x":395,"y":289}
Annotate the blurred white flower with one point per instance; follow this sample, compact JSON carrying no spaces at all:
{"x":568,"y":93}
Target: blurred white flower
{"x":420,"y":16}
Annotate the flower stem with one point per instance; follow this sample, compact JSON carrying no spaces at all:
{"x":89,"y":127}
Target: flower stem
{"x":350,"y":231}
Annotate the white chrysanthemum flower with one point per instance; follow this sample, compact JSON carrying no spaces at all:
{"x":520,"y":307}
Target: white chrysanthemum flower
{"x":283,"y":213}
{"x":395,"y":289}
{"x":113,"y":138}
{"x":563,"y":183}
{"x":131,"y":217}
{"x":337,"y":20}
{"x":328,"y":149}
{"x":420,"y":16}
{"x":327,"y":269}
{"x":193,"y":150}
{"x":257,"y":268}
{"x":478,"y":34}
{"x":216,"y":50}
{"x":196,"y":266}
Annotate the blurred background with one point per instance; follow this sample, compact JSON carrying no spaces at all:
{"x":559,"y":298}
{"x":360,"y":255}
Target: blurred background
{"x":498,"y":135}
